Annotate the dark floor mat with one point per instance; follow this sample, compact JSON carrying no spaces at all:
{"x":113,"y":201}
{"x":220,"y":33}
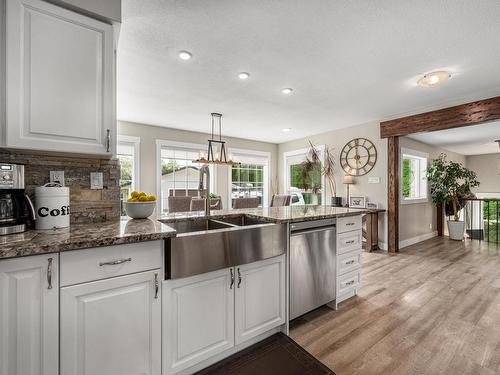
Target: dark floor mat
{"x":276,"y":355}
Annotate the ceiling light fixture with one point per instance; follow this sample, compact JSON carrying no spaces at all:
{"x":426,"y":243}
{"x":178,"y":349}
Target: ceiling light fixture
{"x":216,"y":153}
{"x":185,"y":55}
{"x":434,"y":78}
{"x":286,"y":130}
{"x":243,"y":75}
{"x":286,"y":91}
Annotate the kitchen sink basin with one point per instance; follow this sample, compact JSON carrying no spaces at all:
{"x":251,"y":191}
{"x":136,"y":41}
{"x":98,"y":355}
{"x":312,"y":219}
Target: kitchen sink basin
{"x":242,"y":220}
{"x":198,"y":225}
{"x":204,"y":245}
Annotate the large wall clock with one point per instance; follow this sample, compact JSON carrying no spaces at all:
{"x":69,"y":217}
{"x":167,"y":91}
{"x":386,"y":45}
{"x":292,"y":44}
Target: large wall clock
{"x":358,"y":157}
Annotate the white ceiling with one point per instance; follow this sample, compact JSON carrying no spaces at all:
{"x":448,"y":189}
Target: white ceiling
{"x":470,"y":140}
{"x":349,"y":62}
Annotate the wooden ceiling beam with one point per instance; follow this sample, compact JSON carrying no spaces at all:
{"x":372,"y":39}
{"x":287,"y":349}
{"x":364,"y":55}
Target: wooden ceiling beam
{"x":447,"y":118}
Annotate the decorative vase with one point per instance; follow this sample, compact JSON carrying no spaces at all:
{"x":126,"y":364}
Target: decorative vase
{"x":336,"y":201}
{"x":456,"y":230}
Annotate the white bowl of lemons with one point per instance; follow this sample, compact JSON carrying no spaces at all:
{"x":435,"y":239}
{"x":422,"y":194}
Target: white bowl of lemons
{"x":140,"y":205}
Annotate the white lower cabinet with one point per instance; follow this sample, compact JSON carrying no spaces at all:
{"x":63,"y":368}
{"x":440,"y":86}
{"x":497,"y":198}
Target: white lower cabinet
{"x":29,"y":313}
{"x":260,"y":298}
{"x":112,"y":326}
{"x":198,"y":318}
{"x":207,"y":314}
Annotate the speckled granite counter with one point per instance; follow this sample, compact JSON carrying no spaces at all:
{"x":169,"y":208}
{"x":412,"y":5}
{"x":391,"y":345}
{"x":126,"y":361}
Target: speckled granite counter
{"x":272,"y":214}
{"x":81,"y":236}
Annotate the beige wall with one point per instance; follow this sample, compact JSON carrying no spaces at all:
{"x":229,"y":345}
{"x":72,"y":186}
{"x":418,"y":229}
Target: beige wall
{"x":418,"y":220}
{"x":337,"y":139}
{"x":487,"y":168}
{"x":149,"y":134}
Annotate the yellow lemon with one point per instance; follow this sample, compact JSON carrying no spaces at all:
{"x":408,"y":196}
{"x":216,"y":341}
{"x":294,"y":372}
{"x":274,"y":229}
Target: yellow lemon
{"x":151,"y":198}
{"x":143,"y":198}
{"x":134,"y":194}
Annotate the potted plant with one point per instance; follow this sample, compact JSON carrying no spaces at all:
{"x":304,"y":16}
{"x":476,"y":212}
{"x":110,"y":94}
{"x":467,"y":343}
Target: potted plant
{"x":329,"y":172}
{"x":449,"y":183}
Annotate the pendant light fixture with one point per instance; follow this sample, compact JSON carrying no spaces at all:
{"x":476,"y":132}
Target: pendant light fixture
{"x":216,"y":153}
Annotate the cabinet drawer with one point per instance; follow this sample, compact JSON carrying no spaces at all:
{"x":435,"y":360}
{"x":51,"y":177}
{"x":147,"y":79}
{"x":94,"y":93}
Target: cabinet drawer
{"x":349,"y":262}
{"x":348,"y":281}
{"x":349,"y":223}
{"x":349,"y":241}
{"x":81,"y":266}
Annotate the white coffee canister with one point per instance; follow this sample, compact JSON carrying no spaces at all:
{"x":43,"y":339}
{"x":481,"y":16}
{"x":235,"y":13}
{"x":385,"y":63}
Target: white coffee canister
{"x":52,"y":206}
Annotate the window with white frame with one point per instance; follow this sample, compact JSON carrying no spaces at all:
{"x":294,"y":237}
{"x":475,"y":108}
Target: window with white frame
{"x":178,"y":173}
{"x":306,"y":186}
{"x":413,"y":176}
{"x":128,"y":154}
{"x":250,"y":178}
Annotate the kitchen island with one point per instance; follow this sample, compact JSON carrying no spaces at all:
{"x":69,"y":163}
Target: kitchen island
{"x":116,"y":280}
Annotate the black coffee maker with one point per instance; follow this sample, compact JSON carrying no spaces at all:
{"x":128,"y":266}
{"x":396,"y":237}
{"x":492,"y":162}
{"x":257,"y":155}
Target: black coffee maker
{"x":16,"y":209}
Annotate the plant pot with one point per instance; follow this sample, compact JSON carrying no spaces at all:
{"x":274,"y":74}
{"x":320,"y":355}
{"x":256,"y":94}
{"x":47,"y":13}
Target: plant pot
{"x":456,"y":230}
{"x":336,"y":201}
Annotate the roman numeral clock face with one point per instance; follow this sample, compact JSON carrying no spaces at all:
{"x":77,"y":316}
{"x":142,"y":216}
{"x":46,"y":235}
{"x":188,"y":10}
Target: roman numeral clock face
{"x":358,"y":157}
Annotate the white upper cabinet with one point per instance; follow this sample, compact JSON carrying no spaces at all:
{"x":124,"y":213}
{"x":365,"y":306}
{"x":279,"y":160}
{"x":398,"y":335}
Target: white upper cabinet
{"x":29,"y":316}
{"x":260,"y":297}
{"x":60,"y":69}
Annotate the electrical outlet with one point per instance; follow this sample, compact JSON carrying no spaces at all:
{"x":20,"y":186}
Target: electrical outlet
{"x":57,"y":177}
{"x":96,"y":180}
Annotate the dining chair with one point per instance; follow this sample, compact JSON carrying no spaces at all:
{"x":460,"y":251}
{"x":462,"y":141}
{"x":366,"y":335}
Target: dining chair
{"x":280,"y":200}
{"x":246,"y":202}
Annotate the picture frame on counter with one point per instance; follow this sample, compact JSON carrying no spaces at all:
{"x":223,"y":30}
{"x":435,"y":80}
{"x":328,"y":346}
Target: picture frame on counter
{"x":357,"y":202}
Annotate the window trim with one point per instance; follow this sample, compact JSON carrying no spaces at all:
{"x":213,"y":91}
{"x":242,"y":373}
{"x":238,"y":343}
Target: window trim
{"x":299,"y":152}
{"x":136,"y":143}
{"x":267,"y":188}
{"x":419,"y":155}
{"x":162,"y":143}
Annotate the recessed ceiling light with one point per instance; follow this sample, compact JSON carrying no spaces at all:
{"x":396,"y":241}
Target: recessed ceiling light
{"x":434,"y":78}
{"x":185,"y":55}
{"x":243,"y":75}
{"x":286,"y":130}
{"x":286,"y":90}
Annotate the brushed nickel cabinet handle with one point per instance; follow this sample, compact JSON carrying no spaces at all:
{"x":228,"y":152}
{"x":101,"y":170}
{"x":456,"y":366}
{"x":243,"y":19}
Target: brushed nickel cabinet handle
{"x":108,"y":139}
{"x":115,"y":262}
{"x":232,"y":279}
{"x":49,"y":273}
{"x":239,"y":278}
{"x":349,"y":224}
{"x":349,"y":242}
{"x":157,"y":286}
{"x":350,"y":262}
{"x":349,"y":282}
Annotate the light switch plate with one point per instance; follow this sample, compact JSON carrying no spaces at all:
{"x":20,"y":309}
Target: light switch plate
{"x":57,"y":177}
{"x":374,"y":180}
{"x":96,"y":180}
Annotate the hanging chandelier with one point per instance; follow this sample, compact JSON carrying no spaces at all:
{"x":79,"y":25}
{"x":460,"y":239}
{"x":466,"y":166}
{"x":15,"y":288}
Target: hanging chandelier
{"x":216,"y":153}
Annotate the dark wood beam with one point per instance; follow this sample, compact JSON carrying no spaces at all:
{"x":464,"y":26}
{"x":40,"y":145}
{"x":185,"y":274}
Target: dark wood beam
{"x":439,"y":219}
{"x":393,"y":196}
{"x":447,"y":118}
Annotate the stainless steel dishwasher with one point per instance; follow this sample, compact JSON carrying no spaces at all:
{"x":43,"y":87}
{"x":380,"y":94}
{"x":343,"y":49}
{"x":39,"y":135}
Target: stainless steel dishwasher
{"x":312,"y":265}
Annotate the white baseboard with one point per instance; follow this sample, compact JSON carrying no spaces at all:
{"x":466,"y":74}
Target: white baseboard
{"x":417,"y":239}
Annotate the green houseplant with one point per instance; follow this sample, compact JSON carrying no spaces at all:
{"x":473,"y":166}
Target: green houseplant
{"x":449,"y":183}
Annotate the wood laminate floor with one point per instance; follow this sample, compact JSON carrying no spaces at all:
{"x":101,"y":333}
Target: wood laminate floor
{"x":434,"y":308}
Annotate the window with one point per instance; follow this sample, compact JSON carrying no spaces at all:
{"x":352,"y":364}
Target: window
{"x":128,"y":155}
{"x":250,"y":178}
{"x":305,"y":184}
{"x":413,"y":176}
{"x":178,"y":174}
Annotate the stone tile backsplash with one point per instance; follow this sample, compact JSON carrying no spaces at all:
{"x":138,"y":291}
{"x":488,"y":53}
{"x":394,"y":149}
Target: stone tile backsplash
{"x":87,"y":206}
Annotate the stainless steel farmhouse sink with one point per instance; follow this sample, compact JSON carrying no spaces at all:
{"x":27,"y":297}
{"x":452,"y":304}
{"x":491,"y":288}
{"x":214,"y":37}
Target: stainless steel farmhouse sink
{"x":203,"y":245}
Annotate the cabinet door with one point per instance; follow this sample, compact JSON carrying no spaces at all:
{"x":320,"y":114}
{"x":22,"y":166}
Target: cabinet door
{"x":199,"y":318}
{"x":260,"y":297}
{"x":60,"y":75}
{"x":112,"y":326}
{"x":29,"y":316}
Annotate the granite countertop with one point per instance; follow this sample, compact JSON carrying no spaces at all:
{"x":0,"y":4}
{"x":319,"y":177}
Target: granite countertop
{"x":271,"y":214}
{"x":82,"y":236}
